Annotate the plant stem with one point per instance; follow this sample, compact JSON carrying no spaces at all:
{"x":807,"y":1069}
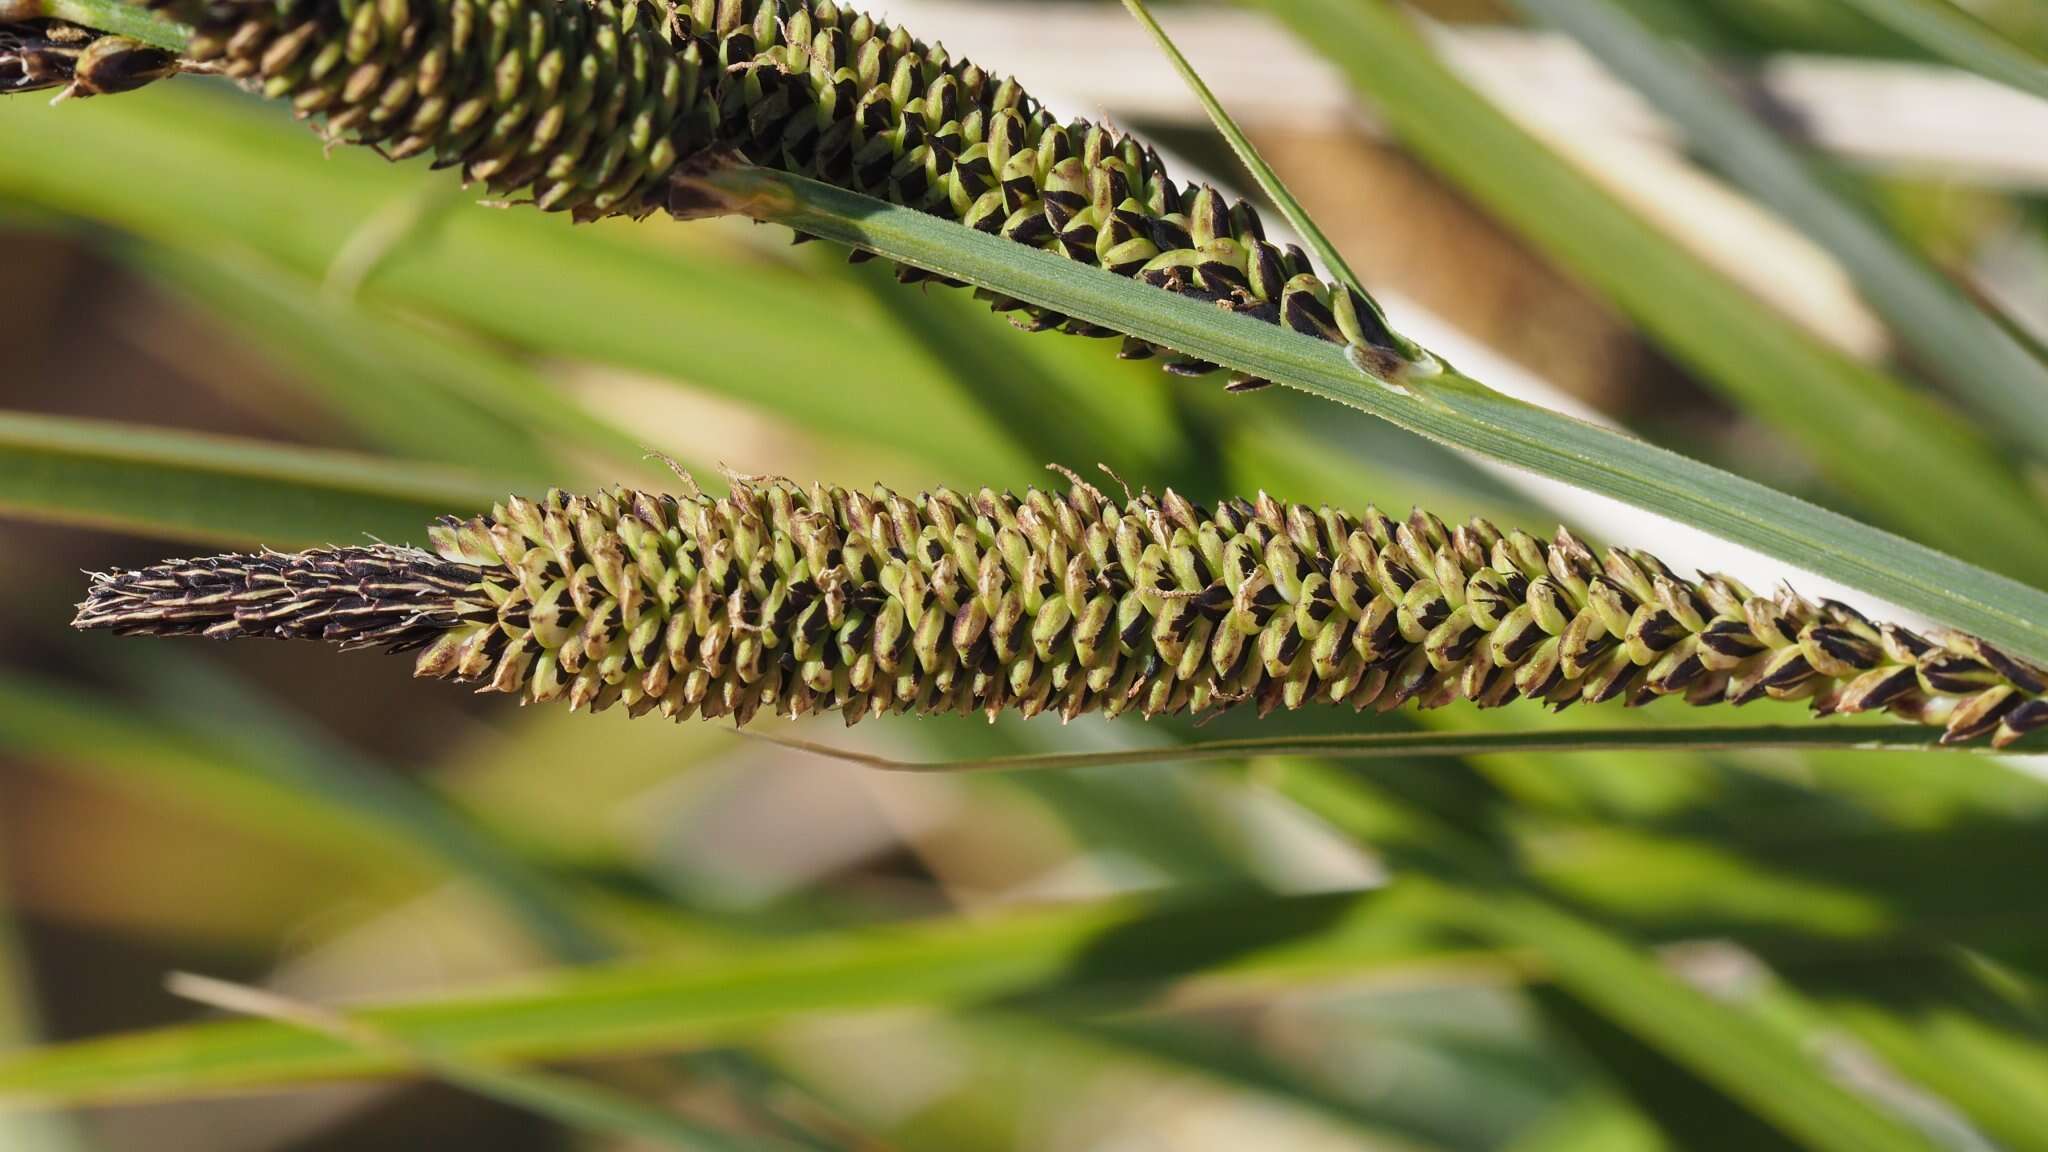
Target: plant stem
{"x":1417,"y":745}
{"x":1269,"y":181}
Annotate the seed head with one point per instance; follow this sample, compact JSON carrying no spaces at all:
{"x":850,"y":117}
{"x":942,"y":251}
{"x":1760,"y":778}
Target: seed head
{"x":609,"y":107}
{"x":800,"y":601}
{"x":82,"y":62}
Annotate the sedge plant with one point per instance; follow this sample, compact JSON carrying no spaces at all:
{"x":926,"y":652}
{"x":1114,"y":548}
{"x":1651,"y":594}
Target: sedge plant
{"x":786,"y":599}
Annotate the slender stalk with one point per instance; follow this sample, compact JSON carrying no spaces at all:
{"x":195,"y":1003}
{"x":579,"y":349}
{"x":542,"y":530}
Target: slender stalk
{"x":575,"y":1103}
{"x":1423,"y":745}
{"x":1269,"y":182}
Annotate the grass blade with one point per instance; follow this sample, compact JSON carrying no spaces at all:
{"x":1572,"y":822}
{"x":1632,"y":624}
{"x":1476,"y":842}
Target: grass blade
{"x":1472,"y":886}
{"x":1956,"y":37}
{"x":1269,"y":182}
{"x":49,"y":723}
{"x":781,"y":339}
{"x":217,"y":490}
{"x":328,"y":775}
{"x":1449,"y":409}
{"x":1978,"y":358}
{"x":428,"y":394}
{"x":1858,"y":424}
{"x":1071,"y":955}
{"x":575,"y":1104}
{"x":27,"y":1131}
{"x":342,"y":363}
{"x":1741,"y":1057}
{"x":1979,"y":1051}
{"x":1121,"y":946}
{"x":1420,"y":745}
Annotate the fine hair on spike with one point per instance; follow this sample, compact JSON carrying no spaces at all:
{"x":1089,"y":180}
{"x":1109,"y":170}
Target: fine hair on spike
{"x":620,"y":107}
{"x":373,"y":596}
{"x":801,"y":600}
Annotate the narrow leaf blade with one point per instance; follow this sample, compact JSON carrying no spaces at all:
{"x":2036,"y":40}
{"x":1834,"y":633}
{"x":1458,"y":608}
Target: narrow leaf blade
{"x":1978,"y":358}
{"x":1268,"y":180}
{"x":1424,"y":745}
{"x":218,"y":490}
{"x":1957,"y":38}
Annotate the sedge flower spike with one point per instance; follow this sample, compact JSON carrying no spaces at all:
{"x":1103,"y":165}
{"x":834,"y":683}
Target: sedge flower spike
{"x":615,"y":107}
{"x":798,"y":601}
{"x":76,"y":61}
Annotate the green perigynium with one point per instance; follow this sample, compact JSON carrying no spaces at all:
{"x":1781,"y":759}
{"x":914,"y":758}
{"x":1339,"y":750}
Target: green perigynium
{"x":801,"y":601}
{"x":609,"y":107}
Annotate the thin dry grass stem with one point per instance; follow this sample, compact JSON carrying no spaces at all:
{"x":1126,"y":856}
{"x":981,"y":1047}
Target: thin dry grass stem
{"x":262,"y":1004}
{"x":1402,"y":746}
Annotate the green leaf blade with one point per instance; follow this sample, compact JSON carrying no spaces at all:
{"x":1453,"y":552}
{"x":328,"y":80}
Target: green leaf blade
{"x":1956,"y":37}
{"x":1269,"y":181}
{"x":1979,"y":359}
{"x":239,"y":493}
{"x":804,"y":350}
{"x":1097,"y":949}
{"x":1426,"y":745}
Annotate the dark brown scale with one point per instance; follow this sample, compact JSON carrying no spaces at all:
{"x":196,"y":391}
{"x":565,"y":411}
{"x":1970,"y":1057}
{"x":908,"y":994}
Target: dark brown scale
{"x":1731,"y":638}
{"x":1844,"y":646}
{"x":1950,"y":673}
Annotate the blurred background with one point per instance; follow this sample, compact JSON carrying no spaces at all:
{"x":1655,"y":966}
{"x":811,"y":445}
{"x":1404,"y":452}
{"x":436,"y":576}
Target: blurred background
{"x":218,"y":336}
